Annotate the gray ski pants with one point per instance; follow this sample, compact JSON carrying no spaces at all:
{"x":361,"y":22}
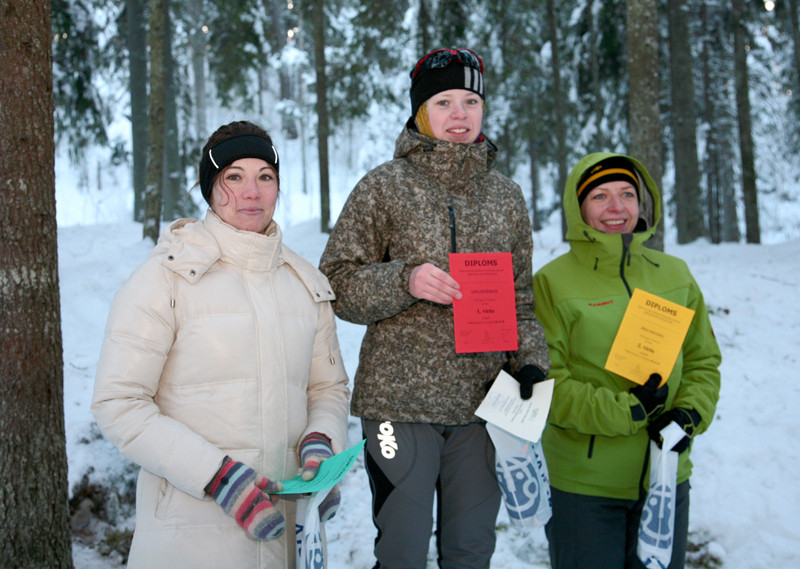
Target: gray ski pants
{"x":410,"y":463}
{"x":591,"y":532}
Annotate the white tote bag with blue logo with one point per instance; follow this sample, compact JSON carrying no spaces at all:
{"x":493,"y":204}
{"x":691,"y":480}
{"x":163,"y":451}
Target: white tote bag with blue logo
{"x":308,"y":532}
{"x":522,"y":475}
{"x":657,"y":526}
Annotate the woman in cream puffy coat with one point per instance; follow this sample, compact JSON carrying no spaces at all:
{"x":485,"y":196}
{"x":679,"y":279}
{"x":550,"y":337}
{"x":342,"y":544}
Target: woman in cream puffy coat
{"x":222,"y":343}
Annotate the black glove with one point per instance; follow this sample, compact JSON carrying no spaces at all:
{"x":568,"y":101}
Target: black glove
{"x":687,"y":419}
{"x":652,"y":398}
{"x":528,"y":376}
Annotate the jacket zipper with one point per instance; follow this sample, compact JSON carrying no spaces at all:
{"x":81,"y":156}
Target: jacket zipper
{"x":627,"y":239}
{"x":452,"y":215}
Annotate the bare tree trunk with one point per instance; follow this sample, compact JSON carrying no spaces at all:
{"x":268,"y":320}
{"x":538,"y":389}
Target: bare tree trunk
{"x":746,"y":148}
{"x":688,"y":195}
{"x":451,"y":22}
{"x":137,"y":61}
{"x":173,"y":206}
{"x":318,"y":9}
{"x":645,"y":114}
{"x":155,"y":159}
{"x":599,"y":135}
{"x":719,"y":160}
{"x":713,"y":205}
{"x":198,"y":41}
{"x":558,"y":108}
{"x":34,"y":517}
{"x":423,"y":21}
{"x":276,"y":10}
{"x":536,"y":223}
{"x":794,"y":24}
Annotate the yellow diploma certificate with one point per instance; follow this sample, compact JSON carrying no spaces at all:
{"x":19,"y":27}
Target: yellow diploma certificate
{"x":649,"y":338}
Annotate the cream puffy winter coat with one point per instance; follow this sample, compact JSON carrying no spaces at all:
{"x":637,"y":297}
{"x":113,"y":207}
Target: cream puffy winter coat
{"x":222,"y":342}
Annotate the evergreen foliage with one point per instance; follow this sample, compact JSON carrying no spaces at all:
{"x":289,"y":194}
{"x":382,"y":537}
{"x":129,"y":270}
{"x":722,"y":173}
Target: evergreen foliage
{"x":256,"y":57}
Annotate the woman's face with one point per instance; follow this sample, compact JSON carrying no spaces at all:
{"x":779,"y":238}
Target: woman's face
{"x":244,"y":194}
{"x":456,"y":115}
{"x":612,"y":207}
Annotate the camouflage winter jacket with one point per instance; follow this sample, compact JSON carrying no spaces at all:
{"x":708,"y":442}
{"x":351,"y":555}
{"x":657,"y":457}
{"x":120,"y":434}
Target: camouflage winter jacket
{"x":400,"y":216}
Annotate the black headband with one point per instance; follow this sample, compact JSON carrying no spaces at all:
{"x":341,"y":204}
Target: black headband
{"x":231,"y":150}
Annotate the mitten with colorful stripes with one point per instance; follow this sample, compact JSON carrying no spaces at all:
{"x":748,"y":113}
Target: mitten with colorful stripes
{"x":314,"y":449}
{"x":244,"y":495}
{"x":330,"y":504}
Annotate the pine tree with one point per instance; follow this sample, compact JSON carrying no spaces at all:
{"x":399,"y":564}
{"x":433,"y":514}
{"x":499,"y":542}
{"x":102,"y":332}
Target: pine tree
{"x":33,"y":471}
{"x":746,"y":148}
{"x":687,"y":196}
{"x":645,"y":114}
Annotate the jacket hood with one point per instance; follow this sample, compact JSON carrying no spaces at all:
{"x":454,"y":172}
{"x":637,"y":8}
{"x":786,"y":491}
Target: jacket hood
{"x":649,"y":201}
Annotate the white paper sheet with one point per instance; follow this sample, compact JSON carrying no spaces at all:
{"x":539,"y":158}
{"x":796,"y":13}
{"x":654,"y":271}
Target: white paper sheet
{"x":503,"y":407}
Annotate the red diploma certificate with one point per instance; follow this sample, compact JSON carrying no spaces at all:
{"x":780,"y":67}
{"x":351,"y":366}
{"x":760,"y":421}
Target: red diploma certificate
{"x":485,"y":318}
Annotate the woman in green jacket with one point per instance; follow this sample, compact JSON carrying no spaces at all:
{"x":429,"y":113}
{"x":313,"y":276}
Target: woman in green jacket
{"x":597,"y":438}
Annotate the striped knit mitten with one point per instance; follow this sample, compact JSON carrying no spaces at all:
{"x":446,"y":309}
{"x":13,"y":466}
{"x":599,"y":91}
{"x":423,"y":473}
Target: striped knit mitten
{"x":244,"y":495}
{"x":315,"y":448}
{"x":327,"y":509}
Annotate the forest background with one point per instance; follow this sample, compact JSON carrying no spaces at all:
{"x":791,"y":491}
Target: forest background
{"x":107,"y":104}
{"x":724,"y":74}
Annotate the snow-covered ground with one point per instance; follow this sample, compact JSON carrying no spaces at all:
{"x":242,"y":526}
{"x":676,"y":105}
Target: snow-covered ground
{"x":744,"y":490}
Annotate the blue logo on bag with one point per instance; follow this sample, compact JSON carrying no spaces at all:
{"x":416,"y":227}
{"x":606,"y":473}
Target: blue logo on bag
{"x":523,"y":499}
{"x":309,"y":557}
{"x":656,"y":526}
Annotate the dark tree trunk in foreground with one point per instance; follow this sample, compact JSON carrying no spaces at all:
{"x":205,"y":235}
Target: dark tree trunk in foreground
{"x":34,"y":519}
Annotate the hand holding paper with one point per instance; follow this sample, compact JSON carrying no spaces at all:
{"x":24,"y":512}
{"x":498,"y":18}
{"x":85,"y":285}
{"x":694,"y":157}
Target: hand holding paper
{"x":528,"y":376}
{"x":524,"y":418}
{"x":314,"y":450}
{"x":330,"y":472}
{"x":649,"y":337}
{"x":485,"y":318}
{"x":429,"y":282}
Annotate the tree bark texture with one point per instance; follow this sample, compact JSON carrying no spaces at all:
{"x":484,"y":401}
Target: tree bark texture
{"x":645,"y":113}
{"x":137,"y":63}
{"x":172,"y":177}
{"x":558,"y":107}
{"x":198,"y":42}
{"x":688,"y":194}
{"x":723,"y":224}
{"x":34,"y":518}
{"x":155,"y":122}
{"x":318,"y":18}
{"x":794,"y":25}
{"x":276,"y":11}
{"x":746,"y":148}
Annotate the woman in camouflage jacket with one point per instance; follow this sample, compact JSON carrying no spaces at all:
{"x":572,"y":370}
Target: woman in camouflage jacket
{"x":387,"y":260}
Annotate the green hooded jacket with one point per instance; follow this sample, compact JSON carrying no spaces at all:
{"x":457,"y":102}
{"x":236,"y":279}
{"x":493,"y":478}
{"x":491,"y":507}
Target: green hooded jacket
{"x":592,"y":443}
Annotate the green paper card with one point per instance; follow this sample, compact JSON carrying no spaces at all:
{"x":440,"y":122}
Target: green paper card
{"x":330,"y":472}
